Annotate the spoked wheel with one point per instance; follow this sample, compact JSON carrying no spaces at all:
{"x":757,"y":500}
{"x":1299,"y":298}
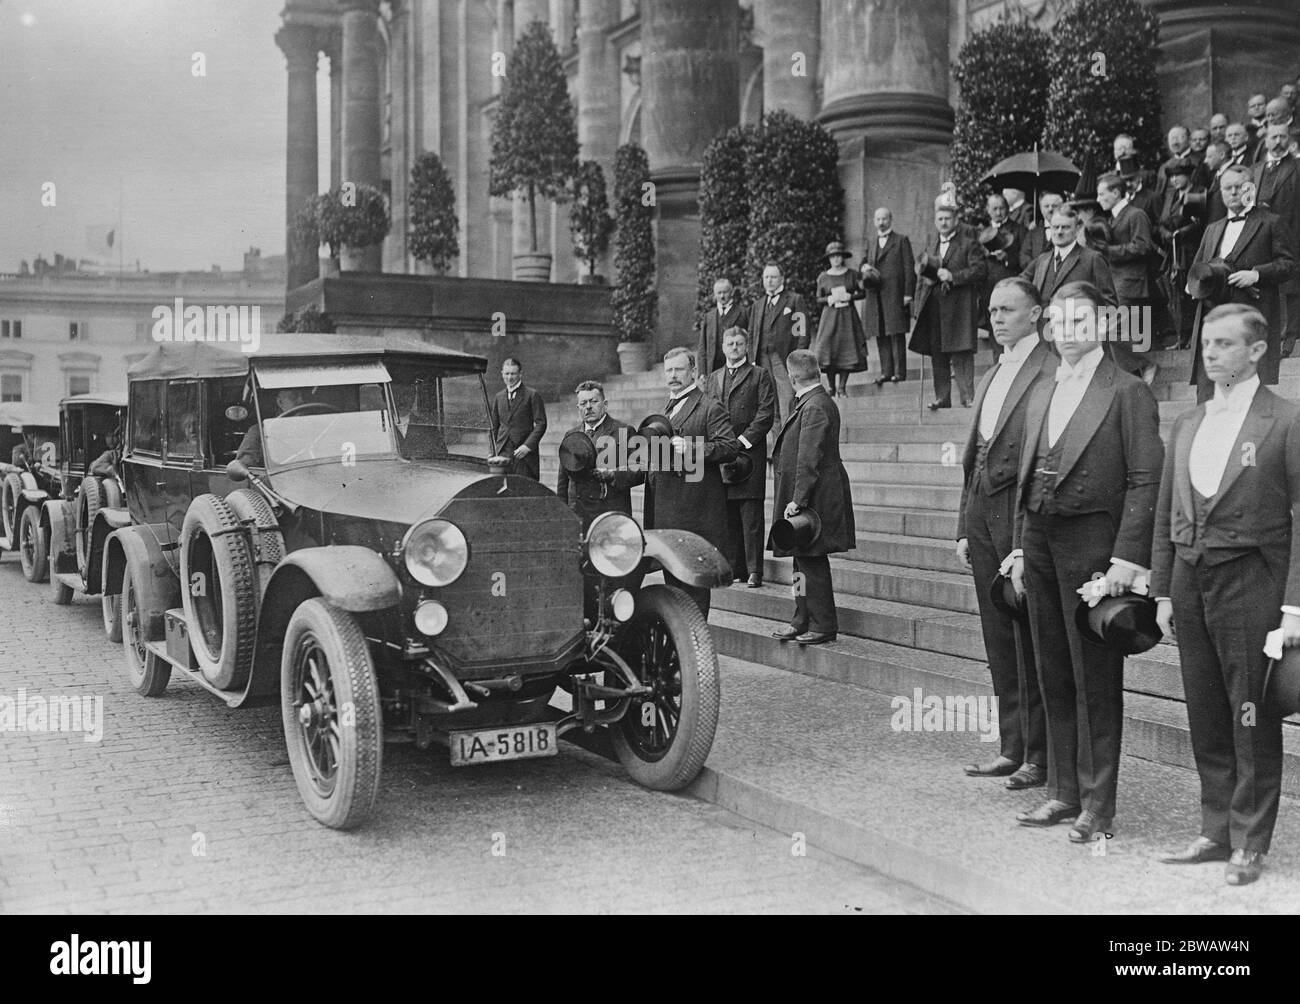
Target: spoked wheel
{"x":329,"y":702}
{"x":148,"y":673}
{"x":33,"y":548}
{"x":110,"y":605}
{"x":10,"y":490}
{"x":664,"y":739}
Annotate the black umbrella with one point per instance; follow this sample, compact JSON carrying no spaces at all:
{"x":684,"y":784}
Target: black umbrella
{"x":1032,"y":172}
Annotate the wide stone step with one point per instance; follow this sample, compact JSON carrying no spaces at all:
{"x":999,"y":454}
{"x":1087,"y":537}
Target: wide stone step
{"x":951,"y":591}
{"x":941,"y":499}
{"x":1155,"y":728}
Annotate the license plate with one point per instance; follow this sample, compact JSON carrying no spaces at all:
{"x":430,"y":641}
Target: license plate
{"x":491,"y":745}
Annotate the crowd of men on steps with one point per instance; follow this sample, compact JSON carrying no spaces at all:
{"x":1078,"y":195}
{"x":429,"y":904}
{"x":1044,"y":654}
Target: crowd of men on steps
{"x":1069,"y":495}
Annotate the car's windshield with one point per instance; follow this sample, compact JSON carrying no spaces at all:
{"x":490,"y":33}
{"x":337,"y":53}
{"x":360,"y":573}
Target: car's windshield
{"x":321,"y":434}
{"x":440,"y":412}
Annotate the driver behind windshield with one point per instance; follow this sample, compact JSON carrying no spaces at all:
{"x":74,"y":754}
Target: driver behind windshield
{"x":250,"y":448}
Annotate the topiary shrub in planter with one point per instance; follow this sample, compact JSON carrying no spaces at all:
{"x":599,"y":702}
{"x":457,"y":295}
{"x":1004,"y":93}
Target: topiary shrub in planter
{"x":1102,"y":67}
{"x":534,"y":136}
{"x":590,"y":224}
{"x":724,"y":213}
{"x":635,"y":297}
{"x":352,"y":216}
{"x":1003,"y":76}
{"x":433,"y":236}
{"x":795,"y":200}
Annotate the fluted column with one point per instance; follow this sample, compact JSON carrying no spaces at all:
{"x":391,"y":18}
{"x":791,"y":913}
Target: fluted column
{"x":395,"y":257}
{"x":361,"y":111}
{"x":300,"y":48}
{"x":790,"y":38}
{"x":690,"y":94}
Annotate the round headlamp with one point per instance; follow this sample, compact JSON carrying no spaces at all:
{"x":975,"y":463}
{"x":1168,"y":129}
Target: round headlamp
{"x":430,"y":618}
{"x":615,"y":544}
{"x":435,"y":552}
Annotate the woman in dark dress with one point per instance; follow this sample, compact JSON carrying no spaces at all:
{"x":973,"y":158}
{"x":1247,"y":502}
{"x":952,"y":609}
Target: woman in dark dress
{"x":841,"y":344}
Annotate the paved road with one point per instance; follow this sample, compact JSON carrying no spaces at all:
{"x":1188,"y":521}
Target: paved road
{"x":186,"y":806}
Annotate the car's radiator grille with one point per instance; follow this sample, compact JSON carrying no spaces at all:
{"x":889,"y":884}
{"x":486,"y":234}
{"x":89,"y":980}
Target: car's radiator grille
{"x":520,"y":597}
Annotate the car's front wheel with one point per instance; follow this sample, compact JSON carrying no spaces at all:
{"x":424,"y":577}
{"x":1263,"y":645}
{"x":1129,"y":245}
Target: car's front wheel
{"x":10,"y":491}
{"x":32,"y":547}
{"x":329,"y":702}
{"x":664,"y":738}
{"x":148,"y":672}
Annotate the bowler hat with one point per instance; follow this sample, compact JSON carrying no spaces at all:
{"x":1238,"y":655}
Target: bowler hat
{"x":1006,"y":600}
{"x":994,"y":239}
{"x":737,"y":472}
{"x":799,"y":531}
{"x":836,"y":247}
{"x":655,"y":425}
{"x":1282,"y":683}
{"x":1205,"y":279}
{"x":1124,"y":624}
{"x":577,"y":453}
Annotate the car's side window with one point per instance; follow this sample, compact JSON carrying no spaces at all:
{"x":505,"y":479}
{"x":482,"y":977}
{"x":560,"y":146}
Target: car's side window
{"x":227,"y":418}
{"x":182,"y":417}
{"x":146,"y":416}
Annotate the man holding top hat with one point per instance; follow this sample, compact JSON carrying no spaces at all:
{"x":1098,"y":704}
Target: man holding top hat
{"x":1243,"y":258}
{"x":1225,"y":571}
{"x":588,"y":487}
{"x":812,"y":504}
{"x":889,"y":283}
{"x":986,"y":519}
{"x":689,"y":493}
{"x":1089,"y":474}
{"x":747,"y":393}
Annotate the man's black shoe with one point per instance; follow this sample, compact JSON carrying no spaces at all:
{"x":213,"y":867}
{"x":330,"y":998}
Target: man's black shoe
{"x":1030,"y":775}
{"x":815,"y":637}
{"x":788,"y":634}
{"x":1050,"y":813}
{"x":998,"y":767}
{"x":1198,"y":852}
{"x":936,"y":405}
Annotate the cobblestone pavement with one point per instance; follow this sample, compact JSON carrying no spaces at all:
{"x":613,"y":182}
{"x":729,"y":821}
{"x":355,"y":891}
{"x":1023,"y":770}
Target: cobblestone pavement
{"x":187,"y":806}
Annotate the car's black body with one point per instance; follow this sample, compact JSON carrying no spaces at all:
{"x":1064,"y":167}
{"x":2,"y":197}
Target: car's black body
{"x":297,"y":582}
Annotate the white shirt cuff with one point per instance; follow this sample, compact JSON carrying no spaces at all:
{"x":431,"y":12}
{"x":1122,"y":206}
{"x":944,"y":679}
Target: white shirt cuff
{"x":1291,"y":610}
{"x":1164,"y":599}
{"x":1127,"y":564}
{"x":746,"y":442}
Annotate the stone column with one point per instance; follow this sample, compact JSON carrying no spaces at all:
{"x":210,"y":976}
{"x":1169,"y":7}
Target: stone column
{"x":790,"y":37}
{"x":300,"y":48}
{"x":361,"y":112}
{"x":525,"y":13}
{"x":401,"y":155}
{"x":332,"y":46}
{"x":598,"y":95}
{"x":884,"y":66}
{"x":690,"y":94}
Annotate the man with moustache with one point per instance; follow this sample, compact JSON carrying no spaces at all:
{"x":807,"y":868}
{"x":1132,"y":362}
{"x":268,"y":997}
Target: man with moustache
{"x":749,"y":397}
{"x":1255,"y":246}
{"x":1241,"y":148}
{"x":725,"y":313}
{"x":1200,"y":139}
{"x":1037,"y":237}
{"x":890,"y":284}
{"x":1226,"y":557}
{"x":1089,"y":474}
{"x":1180,"y":229}
{"x":1019,"y":211}
{"x":1178,"y":143}
{"x":1277,"y":188}
{"x":604,"y":489}
{"x":946,"y":326}
{"x":518,"y":416}
{"x":1216,"y":162}
{"x":778,"y":323}
{"x":690,"y":495}
{"x":1218,"y":127}
{"x":986,"y":521}
{"x":1128,"y":255}
{"x":808,"y":474}
{"x":1001,"y":262}
{"x":1256,"y":115}
{"x":1068,"y":261}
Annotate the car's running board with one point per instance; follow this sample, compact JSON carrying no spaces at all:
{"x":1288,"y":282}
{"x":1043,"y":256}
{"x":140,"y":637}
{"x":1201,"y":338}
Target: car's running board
{"x":233,"y":698}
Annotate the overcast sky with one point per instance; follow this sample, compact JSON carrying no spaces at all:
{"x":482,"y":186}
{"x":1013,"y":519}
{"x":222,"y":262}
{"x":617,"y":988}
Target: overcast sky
{"x":97,"y":91}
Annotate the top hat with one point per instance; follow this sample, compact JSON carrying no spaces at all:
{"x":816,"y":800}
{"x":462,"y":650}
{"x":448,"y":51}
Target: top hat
{"x":835,"y":247}
{"x":1282,"y":683}
{"x":1124,"y":624}
{"x":1194,"y":203}
{"x":577,"y":453}
{"x":737,"y":472}
{"x":1179,"y":165}
{"x":1128,"y":167}
{"x":655,"y":425}
{"x":1006,"y":600}
{"x":797,"y":532}
{"x":1205,"y":279}
{"x":928,"y":267}
{"x":995,"y":239}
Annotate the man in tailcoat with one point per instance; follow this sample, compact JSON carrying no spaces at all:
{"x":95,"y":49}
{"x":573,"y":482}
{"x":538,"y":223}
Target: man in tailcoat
{"x":885,"y":307}
{"x":778,"y":323}
{"x":518,"y":416}
{"x":726,"y":312}
{"x":1277,"y":186}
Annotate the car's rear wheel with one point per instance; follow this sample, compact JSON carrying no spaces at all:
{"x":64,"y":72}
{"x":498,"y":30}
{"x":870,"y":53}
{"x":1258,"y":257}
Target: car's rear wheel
{"x":664,"y":739}
{"x":90,"y":499}
{"x":110,"y":605}
{"x":33,"y":549}
{"x":10,"y":491}
{"x":329,"y":702}
{"x":218,"y":591}
{"x":148,"y":672}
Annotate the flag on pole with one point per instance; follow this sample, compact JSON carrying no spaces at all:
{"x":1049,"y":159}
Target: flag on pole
{"x":101,"y":241}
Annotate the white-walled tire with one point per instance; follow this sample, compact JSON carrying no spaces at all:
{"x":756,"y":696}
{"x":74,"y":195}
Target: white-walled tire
{"x":33,"y":545}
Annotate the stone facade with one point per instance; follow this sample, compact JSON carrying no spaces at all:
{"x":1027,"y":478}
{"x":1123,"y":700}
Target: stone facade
{"x":415,"y":75}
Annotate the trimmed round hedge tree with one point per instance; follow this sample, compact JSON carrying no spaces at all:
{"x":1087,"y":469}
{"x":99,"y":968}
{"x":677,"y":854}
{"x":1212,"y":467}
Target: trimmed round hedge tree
{"x":434,"y":227}
{"x":724,"y":213}
{"x":635,"y":297}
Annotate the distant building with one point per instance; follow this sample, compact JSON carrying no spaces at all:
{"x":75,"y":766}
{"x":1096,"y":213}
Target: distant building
{"x":408,"y":76}
{"x":65,"y":331}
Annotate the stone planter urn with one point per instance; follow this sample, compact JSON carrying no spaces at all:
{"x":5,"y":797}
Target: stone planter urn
{"x":633,"y":357}
{"x":532,"y":267}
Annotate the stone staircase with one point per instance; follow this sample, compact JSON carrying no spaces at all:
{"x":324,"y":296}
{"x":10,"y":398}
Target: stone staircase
{"x":908,"y":614}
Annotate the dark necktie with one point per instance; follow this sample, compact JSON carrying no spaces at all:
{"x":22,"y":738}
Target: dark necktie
{"x":1236,"y":219}
{"x":1056,"y":264}
{"x":728,"y":380}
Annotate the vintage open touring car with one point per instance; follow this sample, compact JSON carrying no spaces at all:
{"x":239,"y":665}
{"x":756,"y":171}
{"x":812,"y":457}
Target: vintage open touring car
{"x":318,"y":524}
{"x":28,"y":465}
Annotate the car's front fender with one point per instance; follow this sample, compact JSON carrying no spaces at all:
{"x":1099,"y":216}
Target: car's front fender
{"x":105,"y":522}
{"x":687,"y":556}
{"x":160,"y":589}
{"x":60,"y":518}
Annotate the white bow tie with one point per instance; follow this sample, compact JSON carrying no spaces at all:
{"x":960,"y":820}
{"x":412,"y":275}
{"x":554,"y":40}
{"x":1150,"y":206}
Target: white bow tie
{"x":1226,"y":406}
{"x":1062,"y":374}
